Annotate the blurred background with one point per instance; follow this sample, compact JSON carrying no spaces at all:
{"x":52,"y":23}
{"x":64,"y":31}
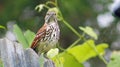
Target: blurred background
{"x":101,"y":15}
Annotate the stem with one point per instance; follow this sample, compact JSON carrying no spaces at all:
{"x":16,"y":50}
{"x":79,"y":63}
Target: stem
{"x":101,"y":57}
{"x":46,"y":7}
{"x":69,"y":26}
{"x":50,"y":2}
{"x":74,"y":43}
{"x":78,"y":40}
{"x":60,"y":48}
{"x":56,"y":3}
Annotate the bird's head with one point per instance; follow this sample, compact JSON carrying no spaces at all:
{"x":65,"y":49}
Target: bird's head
{"x":50,"y":16}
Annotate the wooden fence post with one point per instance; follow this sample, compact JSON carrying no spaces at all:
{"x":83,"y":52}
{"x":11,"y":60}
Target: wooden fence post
{"x":12,"y":54}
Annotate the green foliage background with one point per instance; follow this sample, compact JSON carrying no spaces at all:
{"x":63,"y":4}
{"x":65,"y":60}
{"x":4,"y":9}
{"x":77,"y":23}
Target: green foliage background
{"x":75,"y":12}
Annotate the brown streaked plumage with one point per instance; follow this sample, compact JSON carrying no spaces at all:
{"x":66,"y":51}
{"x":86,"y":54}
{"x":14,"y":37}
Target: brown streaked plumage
{"x":41,"y":33}
{"x":48,"y":35}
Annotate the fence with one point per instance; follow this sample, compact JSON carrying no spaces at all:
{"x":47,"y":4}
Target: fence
{"x":13,"y":54}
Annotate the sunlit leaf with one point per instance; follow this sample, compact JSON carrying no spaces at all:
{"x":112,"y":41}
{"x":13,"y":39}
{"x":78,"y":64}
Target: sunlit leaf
{"x":115,"y":59}
{"x":74,"y":57}
{"x":52,"y":52}
{"x":85,"y":51}
{"x":29,"y":36}
{"x":20,"y":36}
{"x":101,"y":48}
{"x":67,"y":60}
{"x":89,"y":31}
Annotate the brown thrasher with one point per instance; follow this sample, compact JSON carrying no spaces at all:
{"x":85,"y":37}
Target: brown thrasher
{"x":48,"y":35}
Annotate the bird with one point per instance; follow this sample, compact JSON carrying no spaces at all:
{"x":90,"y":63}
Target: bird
{"x":48,"y":35}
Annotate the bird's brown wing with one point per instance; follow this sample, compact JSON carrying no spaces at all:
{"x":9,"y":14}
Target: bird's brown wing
{"x":40,"y":34}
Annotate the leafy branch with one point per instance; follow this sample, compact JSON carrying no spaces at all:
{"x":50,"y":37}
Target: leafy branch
{"x":78,"y":34}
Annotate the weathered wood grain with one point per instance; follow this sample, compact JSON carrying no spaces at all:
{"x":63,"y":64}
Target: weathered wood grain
{"x":12,"y":54}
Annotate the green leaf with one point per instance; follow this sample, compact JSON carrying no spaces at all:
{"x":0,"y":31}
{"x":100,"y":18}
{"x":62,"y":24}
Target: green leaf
{"x":115,"y":59}
{"x":86,"y":51}
{"x":67,"y":60}
{"x":74,"y":57}
{"x":20,"y":37}
{"x":89,"y":31}
{"x":101,"y":48}
{"x":2,"y":27}
{"x":29,"y":36}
